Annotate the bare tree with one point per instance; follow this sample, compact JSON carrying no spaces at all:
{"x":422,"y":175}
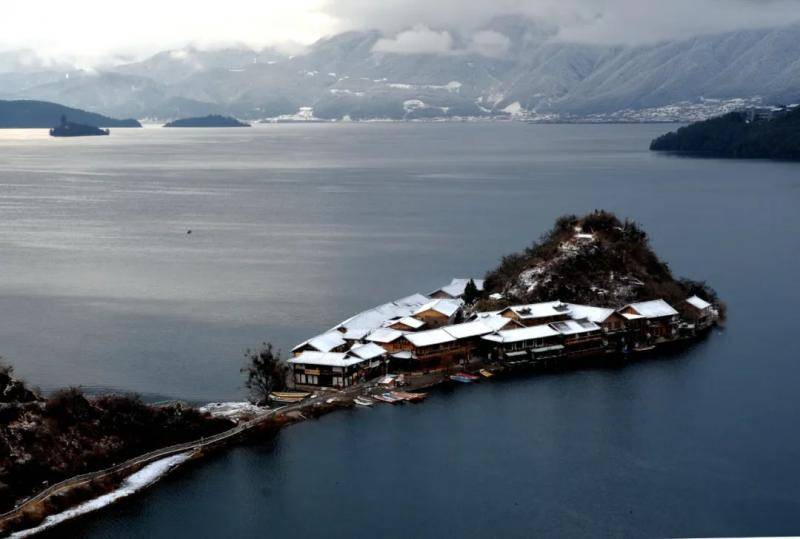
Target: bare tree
{"x":265,"y":372}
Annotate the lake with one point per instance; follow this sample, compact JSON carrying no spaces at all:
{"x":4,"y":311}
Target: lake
{"x":295,"y":227}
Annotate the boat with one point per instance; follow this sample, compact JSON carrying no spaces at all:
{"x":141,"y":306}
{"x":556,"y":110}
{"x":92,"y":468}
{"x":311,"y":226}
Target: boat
{"x":468,"y":375}
{"x":407,"y":396}
{"x":486,"y":373}
{"x":288,"y":397}
{"x":461,"y":378}
{"x":644,"y":348}
{"x":363,"y":401}
{"x":387,"y":397}
{"x":72,"y":129}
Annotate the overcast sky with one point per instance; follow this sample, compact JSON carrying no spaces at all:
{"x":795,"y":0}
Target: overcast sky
{"x":95,"y":29}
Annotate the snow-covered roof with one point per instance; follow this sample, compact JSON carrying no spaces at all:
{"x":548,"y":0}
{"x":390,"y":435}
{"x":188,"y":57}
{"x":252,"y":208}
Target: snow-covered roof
{"x":429,"y":337}
{"x":653,"y":309}
{"x":699,"y":303}
{"x":457,"y":287}
{"x":573,"y":327}
{"x":468,"y":329}
{"x":408,"y":321}
{"x":630,"y":316}
{"x":522,"y":334}
{"x":377,"y":316}
{"x":538,"y":310}
{"x":412,"y":300}
{"x":595,"y":314}
{"x":496,"y":296}
{"x":355,"y":334}
{"x":328,"y":359}
{"x":447,"y":307}
{"x":384,"y":335}
{"x":323,"y":343}
{"x":367,"y":351}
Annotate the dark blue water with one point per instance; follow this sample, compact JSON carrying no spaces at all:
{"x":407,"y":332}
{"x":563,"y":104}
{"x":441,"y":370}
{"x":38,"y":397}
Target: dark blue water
{"x":295,"y":227}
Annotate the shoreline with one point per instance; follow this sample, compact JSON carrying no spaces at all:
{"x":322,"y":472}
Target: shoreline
{"x":41,"y":512}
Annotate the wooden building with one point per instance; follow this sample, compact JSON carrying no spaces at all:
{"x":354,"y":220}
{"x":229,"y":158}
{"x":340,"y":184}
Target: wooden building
{"x":699,"y":312}
{"x":581,"y":337}
{"x":326,"y":369}
{"x":536,"y":314}
{"x":532,"y":343}
{"x":656,"y":320}
{"x":333,"y":341}
{"x":439,"y":312}
{"x":456,"y":289}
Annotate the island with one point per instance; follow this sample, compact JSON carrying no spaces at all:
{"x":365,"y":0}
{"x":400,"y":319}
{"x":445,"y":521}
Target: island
{"x":25,"y":114}
{"x":756,"y":133}
{"x":72,"y":129}
{"x":212,"y":120}
{"x":590,"y":292}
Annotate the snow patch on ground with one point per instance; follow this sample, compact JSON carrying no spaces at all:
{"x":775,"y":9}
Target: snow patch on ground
{"x":231,"y":410}
{"x":413,"y":104}
{"x":135,"y":482}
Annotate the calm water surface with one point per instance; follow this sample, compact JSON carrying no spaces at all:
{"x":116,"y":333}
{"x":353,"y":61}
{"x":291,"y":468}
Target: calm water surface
{"x":296,"y":227}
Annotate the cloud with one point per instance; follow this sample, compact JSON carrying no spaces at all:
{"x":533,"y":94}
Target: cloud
{"x":96,"y":30}
{"x":586,"y":21}
{"x":490,"y":43}
{"x":418,"y":40}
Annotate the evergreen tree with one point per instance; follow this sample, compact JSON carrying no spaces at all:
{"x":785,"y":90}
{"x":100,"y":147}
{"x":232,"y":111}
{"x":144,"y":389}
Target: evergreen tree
{"x":265,"y":372}
{"x":471,"y":293}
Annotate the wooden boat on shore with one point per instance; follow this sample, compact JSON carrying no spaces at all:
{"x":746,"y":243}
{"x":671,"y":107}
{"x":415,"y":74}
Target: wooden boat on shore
{"x":486,"y":373}
{"x":387,"y":397}
{"x":407,"y":396}
{"x":288,"y":397}
{"x":463,"y":378}
{"x":363,"y":401}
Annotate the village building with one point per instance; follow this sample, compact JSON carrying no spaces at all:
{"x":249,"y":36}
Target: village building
{"x":406,"y":323}
{"x":656,"y":319}
{"x":699,"y":312}
{"x":436,"y":346}
{"x":536,"y":314}
{"x":456,"y":289}
{"x":326,"y":369}
{"x":389,"y":339}
{"x":525,"y":344}
{"x":608,"y":319}
{"x":581,"y":337}
{"x":439,"y":312}
{"x":332,"y":341}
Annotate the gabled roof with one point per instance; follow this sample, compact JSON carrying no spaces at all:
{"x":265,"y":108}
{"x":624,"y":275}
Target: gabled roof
{"x":355,"y":334}
{"x":429,"y":337}
{"x":457,"y":287}
{"x":329,"y":359}
{"x":447,"y":307}
{"x":384,"y":335}
{"x":595,"y":314}
{"x":522,"y":334}
{"x":375,"y":317}
{"x":538,"y":310}
{"x":476,"y":328}
{"x":574,"y":327}
{"x":408,"y":321}
{"x":367,"y":351}
{"x":653,"y":309}
{"x":698,"y":303}
{"x":323,"y":343}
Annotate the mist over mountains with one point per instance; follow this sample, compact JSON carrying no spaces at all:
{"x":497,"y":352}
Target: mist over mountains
{"x":511,"y":66}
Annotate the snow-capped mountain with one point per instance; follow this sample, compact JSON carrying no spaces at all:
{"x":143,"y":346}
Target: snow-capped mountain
{"x":512,"y":66}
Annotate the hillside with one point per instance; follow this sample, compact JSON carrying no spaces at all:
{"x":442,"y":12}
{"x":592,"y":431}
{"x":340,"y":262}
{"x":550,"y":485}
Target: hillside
{"x":207,"y":121}
{"x":42,"y":114}
{"x":53,"y":438}
{"x":596,"y":259}
{"x":534,"y":74}
{"x":747,"y":134}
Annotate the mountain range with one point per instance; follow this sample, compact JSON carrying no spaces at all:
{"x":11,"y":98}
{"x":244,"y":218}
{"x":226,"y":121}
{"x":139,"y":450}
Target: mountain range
{"x":527,"y":72}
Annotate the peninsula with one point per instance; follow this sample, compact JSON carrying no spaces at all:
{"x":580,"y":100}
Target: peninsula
{"x":26,"y":114}
{"x":589,"y":292}
{"x":212,"y":120}
{"x":756,"y":133}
